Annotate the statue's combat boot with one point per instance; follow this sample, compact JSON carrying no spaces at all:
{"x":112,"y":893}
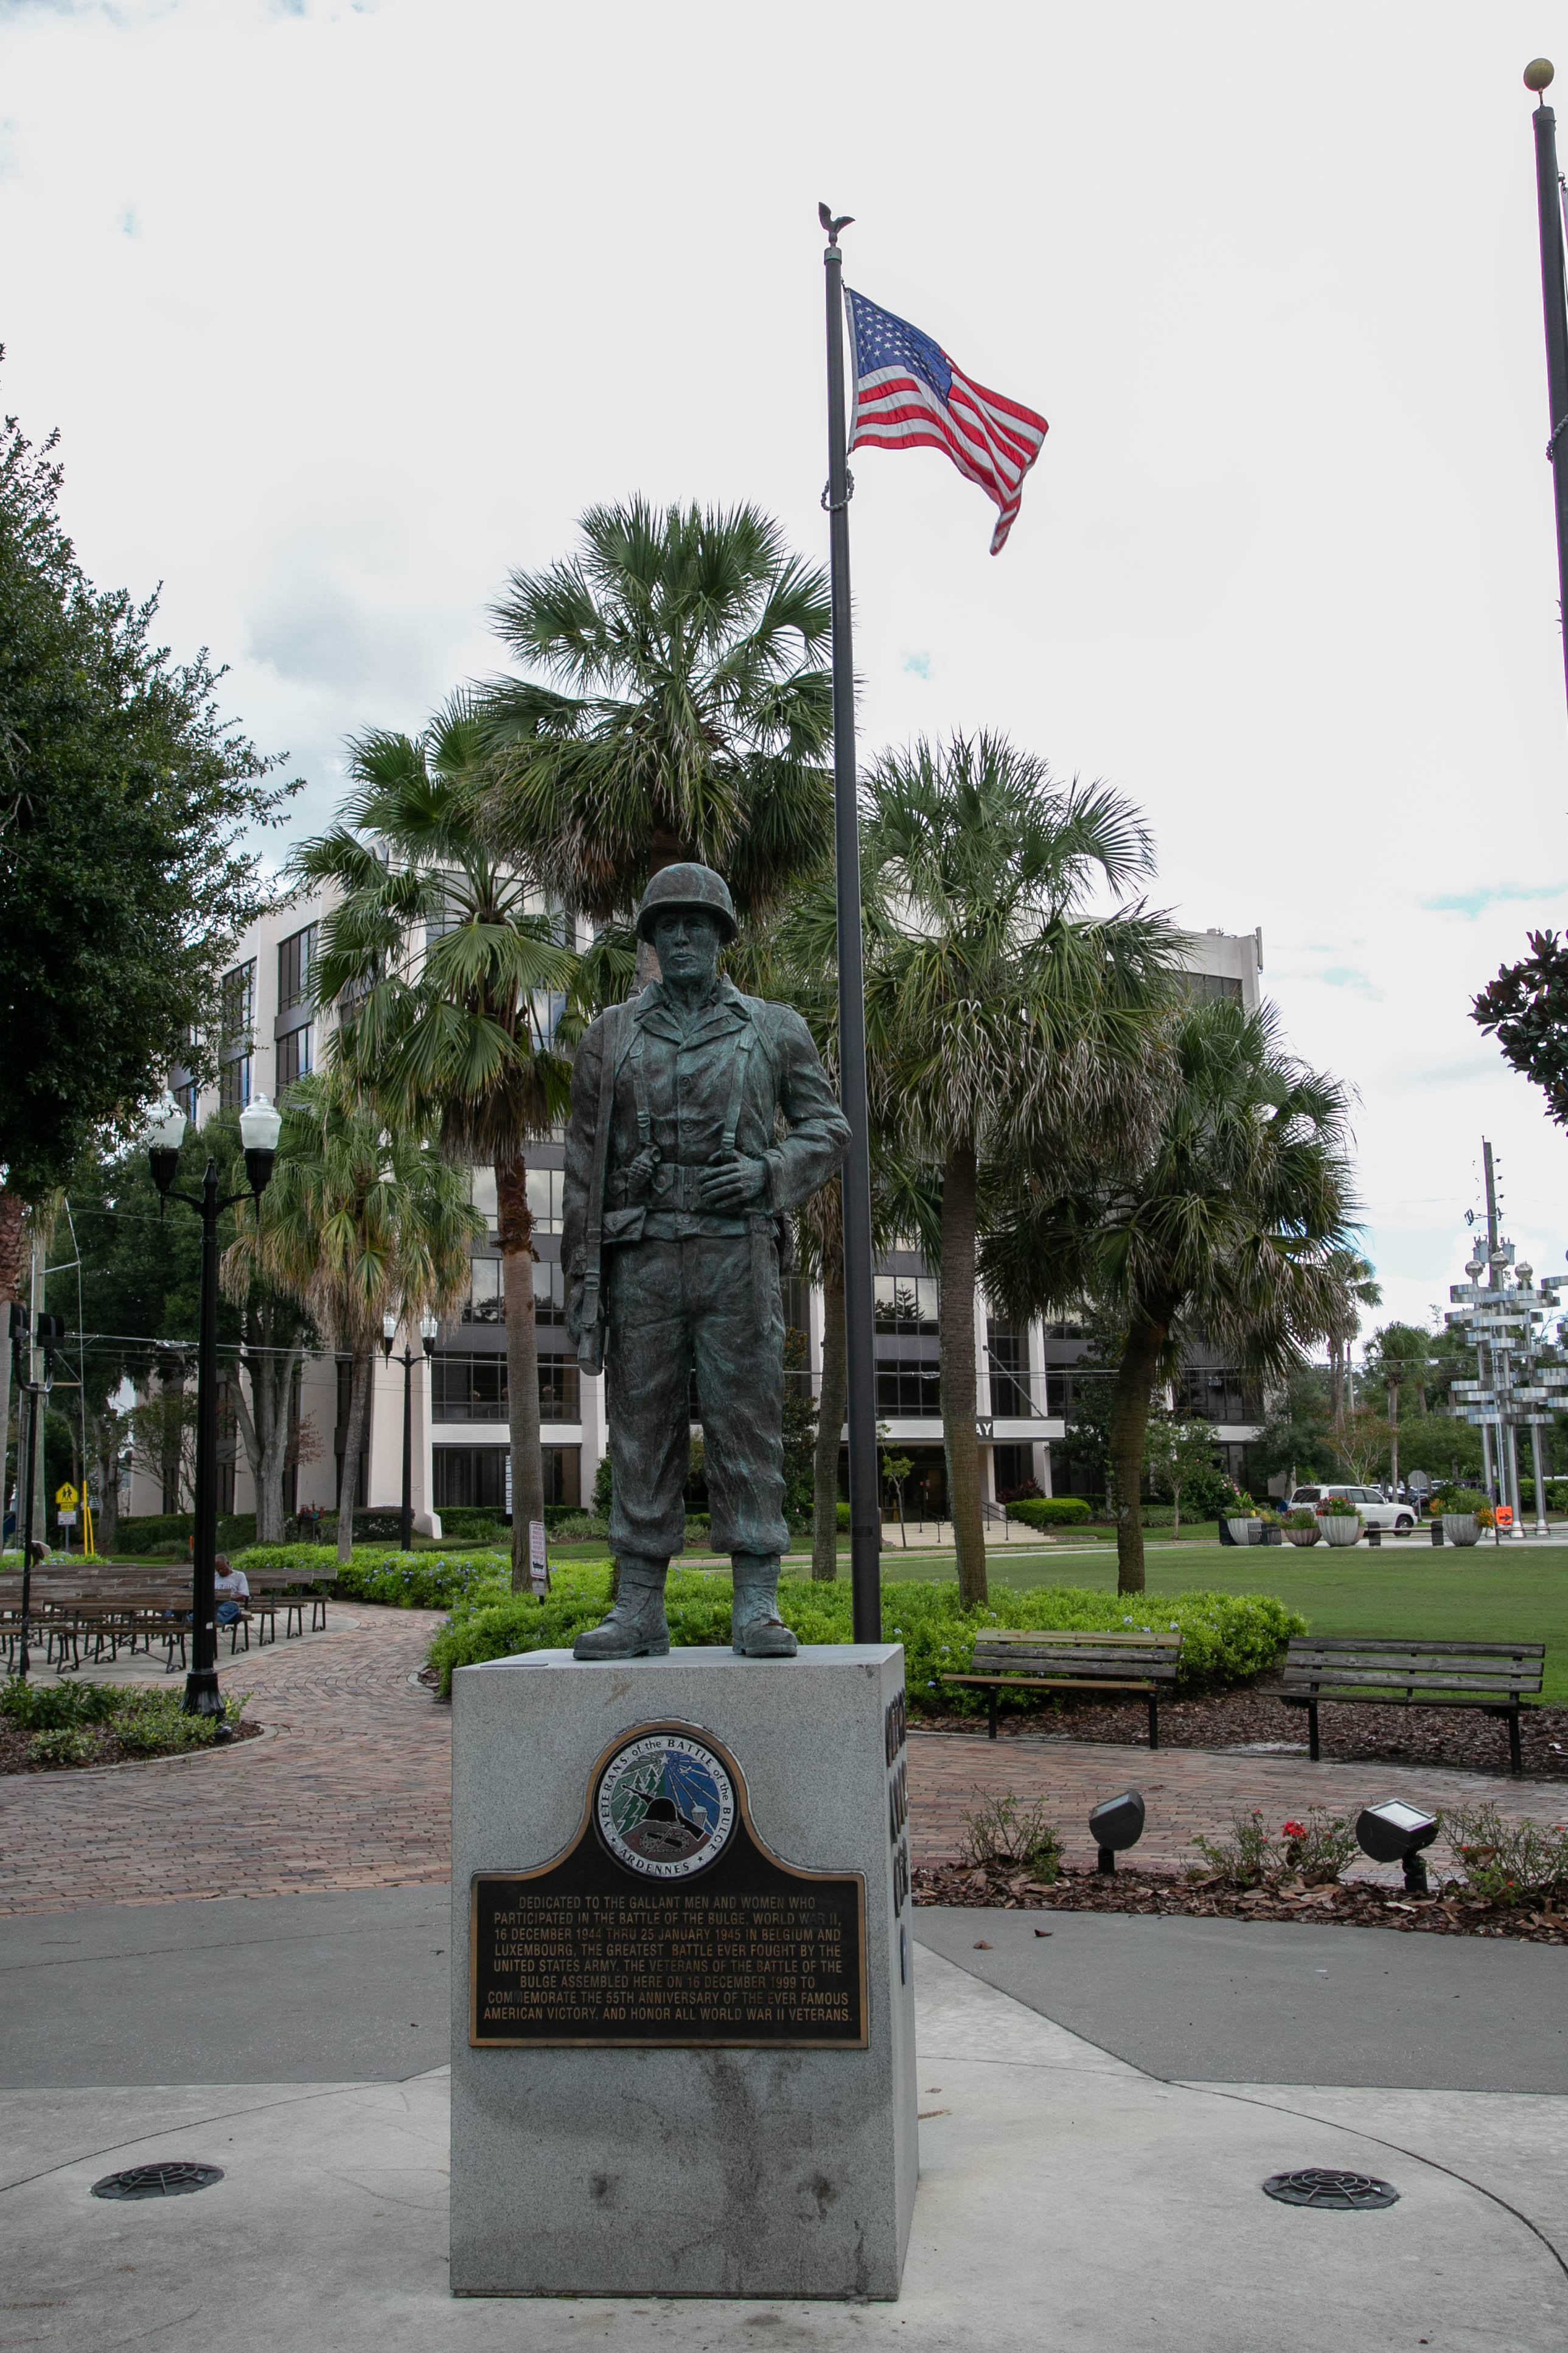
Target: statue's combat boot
{"x":636,"y":1627}
{"x":757,"y":1631}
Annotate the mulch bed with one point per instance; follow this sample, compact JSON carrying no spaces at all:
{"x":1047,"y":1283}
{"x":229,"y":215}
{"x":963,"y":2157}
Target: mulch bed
{"x":15,"y":1743}
{"x":1461,"y":1737}
{"x":1355,"y":1903}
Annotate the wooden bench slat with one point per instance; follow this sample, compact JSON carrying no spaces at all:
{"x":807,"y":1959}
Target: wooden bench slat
{"x":1407,"y":1643}
{"x":1055,"y":1683}
{"x":1527,"y":1679}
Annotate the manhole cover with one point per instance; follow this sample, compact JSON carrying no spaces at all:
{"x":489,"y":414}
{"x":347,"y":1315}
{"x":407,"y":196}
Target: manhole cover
{"x":171,"y":2180}
{"x":1315,"y":2185}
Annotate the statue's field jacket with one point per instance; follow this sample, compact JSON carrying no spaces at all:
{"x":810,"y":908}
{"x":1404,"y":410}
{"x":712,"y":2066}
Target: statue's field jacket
{"x":746,"y":1072}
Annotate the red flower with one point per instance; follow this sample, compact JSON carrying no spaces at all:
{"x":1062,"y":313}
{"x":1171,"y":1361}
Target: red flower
{"x":1295,"y":1830}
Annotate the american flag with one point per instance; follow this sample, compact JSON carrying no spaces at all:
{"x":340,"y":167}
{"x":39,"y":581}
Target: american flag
{"x":910,"y":395}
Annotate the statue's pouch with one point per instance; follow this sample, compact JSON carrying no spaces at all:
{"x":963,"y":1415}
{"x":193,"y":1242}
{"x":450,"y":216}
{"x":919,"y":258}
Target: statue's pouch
{"x":625,"y":1225}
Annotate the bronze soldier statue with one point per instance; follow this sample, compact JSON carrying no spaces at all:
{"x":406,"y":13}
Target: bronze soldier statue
{"x":679,"y":1169}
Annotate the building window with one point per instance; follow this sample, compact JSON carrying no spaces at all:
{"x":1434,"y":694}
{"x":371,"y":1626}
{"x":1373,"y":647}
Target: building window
{"x":908,"y":1388}
{"x":296,"y":963}
{"x":1207,"y":987}
{"x":485,"y":1303}
{"x":546,"y":1191}
{"x":1216,"y":1396}
{"x":185,"y":1096}
{"x":240,"y":1005}
{"x":234,"y":1084}
{"x":905,"y":1302}
{"x":559,"y":1389}
{"x":549,"y":1292}
{"x":469,"y":1389}
{"x":563,"y":1468}
{"x":1009,"y":1350}
{"x":466,"y":1476}
{"x":469,"y":1476}
{"x":474,"y":1389}
{"x":294,"y":1056}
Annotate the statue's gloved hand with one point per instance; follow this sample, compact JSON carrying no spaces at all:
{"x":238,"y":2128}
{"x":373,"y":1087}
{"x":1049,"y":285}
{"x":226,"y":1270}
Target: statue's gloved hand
{"x":639,"y":1173}
{"x":732,"y":1181}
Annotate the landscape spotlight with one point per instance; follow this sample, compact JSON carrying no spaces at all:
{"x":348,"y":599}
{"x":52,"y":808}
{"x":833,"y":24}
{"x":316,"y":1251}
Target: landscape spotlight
{"x":1393,"y":1832}
{"x":1118,"y":1824}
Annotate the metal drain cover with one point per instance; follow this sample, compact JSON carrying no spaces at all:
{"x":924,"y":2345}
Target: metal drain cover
{"x":1315,"y":2185}
{"x":175,"y":2180}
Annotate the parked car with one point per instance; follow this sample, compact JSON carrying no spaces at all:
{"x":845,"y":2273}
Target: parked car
{"x":1370,"y":1501}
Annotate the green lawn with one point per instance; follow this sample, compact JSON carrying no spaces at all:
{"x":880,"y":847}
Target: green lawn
{"x":1446,"y":1594}
{"x":1415,"y":1587}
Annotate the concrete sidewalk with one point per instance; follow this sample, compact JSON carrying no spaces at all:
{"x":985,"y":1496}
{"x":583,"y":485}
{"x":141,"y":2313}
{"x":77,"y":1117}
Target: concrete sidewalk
{"x":1066,"y":2198}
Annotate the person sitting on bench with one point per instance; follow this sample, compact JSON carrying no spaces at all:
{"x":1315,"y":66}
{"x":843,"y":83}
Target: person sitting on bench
{"x":231,"y":1591}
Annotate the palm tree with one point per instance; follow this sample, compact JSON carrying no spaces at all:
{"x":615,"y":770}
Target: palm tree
{"x":359,"y":1218}
{"x":998,"y":1015}
{"x":1357,"y":1289}
{"x":458,"y":986}
{"x":1232,"y":1224}
{"x":684,"y":712}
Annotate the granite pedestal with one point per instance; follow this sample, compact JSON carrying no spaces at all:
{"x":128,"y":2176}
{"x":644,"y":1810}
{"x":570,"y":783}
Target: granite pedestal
{"x":713,"y":2168}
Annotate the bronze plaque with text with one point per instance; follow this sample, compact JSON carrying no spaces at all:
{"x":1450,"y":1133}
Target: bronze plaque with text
{"x":667,"y":1921}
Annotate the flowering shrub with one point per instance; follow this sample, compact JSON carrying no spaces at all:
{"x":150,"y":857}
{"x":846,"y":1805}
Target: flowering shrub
{"x":1005,"y":1831}
{"x":1315,"y":1850}
{"x":1505,"y":1863}
{"x":1226,"y":1636}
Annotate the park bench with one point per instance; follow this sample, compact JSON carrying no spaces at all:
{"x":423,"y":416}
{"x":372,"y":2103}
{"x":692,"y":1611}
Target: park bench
{"x":1499,"y":1678}
{"x":1076,"y":1662}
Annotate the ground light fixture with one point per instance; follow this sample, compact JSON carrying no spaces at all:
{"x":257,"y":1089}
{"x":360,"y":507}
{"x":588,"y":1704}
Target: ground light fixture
{"x":1117,"y":1825}
{"x":1393,"y":1833}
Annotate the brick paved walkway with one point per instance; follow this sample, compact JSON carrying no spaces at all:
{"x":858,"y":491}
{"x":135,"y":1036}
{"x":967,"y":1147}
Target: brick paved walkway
{"x":353,"y":1789}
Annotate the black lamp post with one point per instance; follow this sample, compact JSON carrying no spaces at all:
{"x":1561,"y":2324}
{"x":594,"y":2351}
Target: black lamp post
{"x":49,"y":1334}
{"x":259,"y":1128}
{"x":428,"y":1328}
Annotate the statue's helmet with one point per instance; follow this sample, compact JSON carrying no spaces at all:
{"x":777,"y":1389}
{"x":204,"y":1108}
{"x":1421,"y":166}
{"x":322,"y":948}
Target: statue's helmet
{"x":686,"y":890}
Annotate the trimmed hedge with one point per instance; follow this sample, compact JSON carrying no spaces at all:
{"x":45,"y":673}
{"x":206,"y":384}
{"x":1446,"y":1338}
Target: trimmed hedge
{"x":1227,"y":1637}
{"x":1051,"y":1511}
{"x":417,"y":1580}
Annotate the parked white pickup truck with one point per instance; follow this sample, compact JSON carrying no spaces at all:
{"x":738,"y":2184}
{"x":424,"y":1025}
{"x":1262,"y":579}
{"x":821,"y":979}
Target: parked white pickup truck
{"x":1372,"y":1505}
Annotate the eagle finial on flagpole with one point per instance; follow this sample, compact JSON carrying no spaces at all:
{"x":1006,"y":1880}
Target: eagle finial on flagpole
{"x":825,"y":215}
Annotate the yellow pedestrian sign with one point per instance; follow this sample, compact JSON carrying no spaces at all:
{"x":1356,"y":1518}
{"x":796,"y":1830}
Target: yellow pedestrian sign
{"x":66,"y":1498}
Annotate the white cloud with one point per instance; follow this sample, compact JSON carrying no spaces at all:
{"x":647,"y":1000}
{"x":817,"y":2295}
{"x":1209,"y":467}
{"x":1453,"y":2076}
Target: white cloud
{"x":344,"y":313}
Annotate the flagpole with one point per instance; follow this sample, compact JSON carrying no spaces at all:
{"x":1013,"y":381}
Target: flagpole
{"x":865,"y":1518}
{"x":1537,"y":78}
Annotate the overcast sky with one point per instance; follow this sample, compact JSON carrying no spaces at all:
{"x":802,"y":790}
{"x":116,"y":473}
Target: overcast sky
{"x":345,"y":312}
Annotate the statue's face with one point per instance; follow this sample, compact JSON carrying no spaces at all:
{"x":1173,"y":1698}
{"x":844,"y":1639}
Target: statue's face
{"x":687,"y":945}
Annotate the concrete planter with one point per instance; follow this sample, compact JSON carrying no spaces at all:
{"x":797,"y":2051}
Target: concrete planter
{"x":1244,"y":1532}
{"x":1301,"y":1535}
{"x":1339,"y":1531}
{"x":1461,"y":1528}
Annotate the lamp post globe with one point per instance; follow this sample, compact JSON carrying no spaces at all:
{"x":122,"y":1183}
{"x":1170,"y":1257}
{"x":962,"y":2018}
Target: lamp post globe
{"x":260,"y":1125}
{"x":165,"y":1134}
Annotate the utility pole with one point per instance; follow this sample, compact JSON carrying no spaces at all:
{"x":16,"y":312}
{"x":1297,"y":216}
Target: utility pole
{"x":1507,"y":1453}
